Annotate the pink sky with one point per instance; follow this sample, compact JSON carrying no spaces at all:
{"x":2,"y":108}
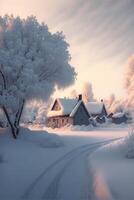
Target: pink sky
{"x":100,"y":34}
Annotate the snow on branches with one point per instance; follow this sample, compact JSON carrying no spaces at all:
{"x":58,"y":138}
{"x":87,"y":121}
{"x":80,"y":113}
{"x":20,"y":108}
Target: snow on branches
{"x":32,"y":62}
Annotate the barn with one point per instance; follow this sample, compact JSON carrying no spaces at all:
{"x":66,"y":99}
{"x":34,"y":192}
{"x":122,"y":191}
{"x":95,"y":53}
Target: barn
{"x":67,"y":111}
{"x":119,"y":118}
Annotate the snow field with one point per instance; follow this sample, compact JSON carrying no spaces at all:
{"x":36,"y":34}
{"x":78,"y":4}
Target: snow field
{"x":113,"y":172}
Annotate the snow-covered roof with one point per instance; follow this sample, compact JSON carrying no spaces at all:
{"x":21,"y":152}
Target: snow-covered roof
{"x":68,"y":107}
{"x":118,"y":115}
{"x":75,"y":108}
{"x":94,"y":107}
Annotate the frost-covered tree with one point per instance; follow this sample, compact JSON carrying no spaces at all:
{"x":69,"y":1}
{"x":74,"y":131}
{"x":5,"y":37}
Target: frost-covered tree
{"x":110,"y":102}
{"x":117,"y":106}
{"x":73,"y":94}
{"x":129,"y":81}
{"x":36,"y":111}
{"x":32,"y":62}
{"x":87,"y":92}
{"x":30,"y":111}
{"x":42,"y":110}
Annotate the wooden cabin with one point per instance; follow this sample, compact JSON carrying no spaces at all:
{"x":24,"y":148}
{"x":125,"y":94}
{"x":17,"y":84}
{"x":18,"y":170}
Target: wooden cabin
{"x":119,"y":118}
{"x":67,"y":111}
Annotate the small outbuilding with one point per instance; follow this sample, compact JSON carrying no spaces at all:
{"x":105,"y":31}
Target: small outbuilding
{"x":119,"y":118}
{"x":67,"y":111}
{"x":96,"y":109}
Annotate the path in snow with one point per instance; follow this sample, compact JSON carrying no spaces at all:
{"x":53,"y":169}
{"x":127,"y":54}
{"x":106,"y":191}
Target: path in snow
{"x":67,"y":178}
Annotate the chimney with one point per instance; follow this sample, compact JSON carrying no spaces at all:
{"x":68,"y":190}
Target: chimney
{"x":80,"y":97}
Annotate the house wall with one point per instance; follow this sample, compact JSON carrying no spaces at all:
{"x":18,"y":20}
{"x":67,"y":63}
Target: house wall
{"x":81,"y":117}
{"x":57,"y":122}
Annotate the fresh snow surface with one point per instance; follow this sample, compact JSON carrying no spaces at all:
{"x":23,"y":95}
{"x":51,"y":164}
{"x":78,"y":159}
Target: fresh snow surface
{"x":67,"y":105}
{"x":113,"y":172}
{"x":43,"y":139}
{"x":129,"y":144}
{"x":30,"y":171}
{"x":94,"y":107}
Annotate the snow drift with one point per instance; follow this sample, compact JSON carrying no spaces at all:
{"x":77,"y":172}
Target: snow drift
{"x":129,"y":144}
{"x":113,"y":171}
{"x":39,"y":138}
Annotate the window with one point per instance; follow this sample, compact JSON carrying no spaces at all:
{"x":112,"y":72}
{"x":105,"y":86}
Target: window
{"x":62,"y":120}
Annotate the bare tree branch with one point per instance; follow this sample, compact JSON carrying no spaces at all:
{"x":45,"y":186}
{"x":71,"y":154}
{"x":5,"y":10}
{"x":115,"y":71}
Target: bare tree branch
{"x":3,"y":78}
{"x":9,"y":121}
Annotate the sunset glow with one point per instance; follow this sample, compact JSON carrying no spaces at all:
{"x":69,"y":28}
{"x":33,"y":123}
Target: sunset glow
{"x":99,"y":32}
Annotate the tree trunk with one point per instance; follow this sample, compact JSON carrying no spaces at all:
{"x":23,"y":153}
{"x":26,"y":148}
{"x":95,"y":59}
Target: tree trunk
{"x":18,"y":117}
{"x":13,"y":129}
{"x":14,"y":126}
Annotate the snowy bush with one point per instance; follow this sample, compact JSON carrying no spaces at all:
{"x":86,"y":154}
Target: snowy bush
{"x":129,"y":144}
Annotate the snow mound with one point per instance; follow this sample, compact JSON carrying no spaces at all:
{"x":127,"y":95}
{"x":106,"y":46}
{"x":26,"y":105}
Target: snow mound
{"x":41,"y":138}
{"x":129,"y":144}
{"x":77,"y":128}
{"x":38,"y":137}
{"x":110,"y":169}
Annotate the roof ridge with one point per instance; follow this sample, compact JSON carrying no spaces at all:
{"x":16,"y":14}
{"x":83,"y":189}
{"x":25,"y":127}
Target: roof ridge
{"x":78,"y":102}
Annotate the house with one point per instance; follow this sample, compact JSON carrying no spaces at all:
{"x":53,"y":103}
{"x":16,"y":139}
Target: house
{"x":67,"y":111}
{"x":96,"y":109}
{"x":119,"y":118}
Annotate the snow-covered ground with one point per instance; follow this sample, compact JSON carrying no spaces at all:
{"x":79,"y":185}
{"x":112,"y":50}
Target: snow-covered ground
{"x":55,"y":170}
{"x":113,"y":172}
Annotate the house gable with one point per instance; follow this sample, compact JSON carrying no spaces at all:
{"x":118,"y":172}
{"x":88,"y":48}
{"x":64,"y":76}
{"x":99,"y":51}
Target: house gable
{"x":104,"y":111}
{"x":56,"y":106}
{"x":96,"y":109}
{"x":81,"y":116}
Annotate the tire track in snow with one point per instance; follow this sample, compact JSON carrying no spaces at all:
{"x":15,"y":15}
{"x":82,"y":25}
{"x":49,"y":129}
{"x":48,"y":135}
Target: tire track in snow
{"x":64,"y":160}
{"x":52,"y":190}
